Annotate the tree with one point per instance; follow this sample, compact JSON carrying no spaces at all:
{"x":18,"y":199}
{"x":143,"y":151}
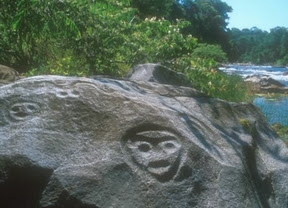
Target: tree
{"x":152,"y":8}
{"x":259,"y":47}
{"x":208,"y":20}
{"x":213,"y":52}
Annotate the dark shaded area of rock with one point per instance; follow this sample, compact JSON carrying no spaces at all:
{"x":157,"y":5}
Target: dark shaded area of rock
{"x":265,"y":84}
{"x":22,"y":183}
{"x":81,"y":143}
{"x":159,"y":74}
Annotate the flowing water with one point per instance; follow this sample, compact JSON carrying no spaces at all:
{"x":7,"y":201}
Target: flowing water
{"x":276,"y":109}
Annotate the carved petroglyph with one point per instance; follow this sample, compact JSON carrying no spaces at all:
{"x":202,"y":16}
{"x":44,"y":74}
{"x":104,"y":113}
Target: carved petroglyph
{"x":23,"y":110}
{"x":157,"y":151}
{"x":65,"y":89}
{"x":67,"y":93}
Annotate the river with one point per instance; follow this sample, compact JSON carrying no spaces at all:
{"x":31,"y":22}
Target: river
{"x":275,"y":109}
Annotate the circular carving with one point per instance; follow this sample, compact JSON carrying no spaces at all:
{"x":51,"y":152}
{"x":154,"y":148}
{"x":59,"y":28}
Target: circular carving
{"x":23,"y":110}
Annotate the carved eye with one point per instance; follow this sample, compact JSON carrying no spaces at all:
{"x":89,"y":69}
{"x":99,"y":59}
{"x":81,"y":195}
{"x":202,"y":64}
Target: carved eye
{"x":144,"y":146}
{"x":170,"y":146}
{"x":32,"y":108}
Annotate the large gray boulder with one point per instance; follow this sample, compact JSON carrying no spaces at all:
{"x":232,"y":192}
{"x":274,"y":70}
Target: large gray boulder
{"x":70,"y":142}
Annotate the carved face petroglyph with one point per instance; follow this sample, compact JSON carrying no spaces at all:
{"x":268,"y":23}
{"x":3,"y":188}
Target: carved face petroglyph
{"x":156,"y":151}
{"x":22,"y":110}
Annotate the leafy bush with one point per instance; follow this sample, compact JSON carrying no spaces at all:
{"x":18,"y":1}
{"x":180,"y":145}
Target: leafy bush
{"x":214,"y":52}
{"x":32,"y":31}
{"x":102,"y":37}
{"x":206,"y":77}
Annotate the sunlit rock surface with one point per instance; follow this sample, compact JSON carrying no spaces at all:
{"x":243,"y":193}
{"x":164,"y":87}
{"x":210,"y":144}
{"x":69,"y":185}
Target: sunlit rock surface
{"x":82,"y":143}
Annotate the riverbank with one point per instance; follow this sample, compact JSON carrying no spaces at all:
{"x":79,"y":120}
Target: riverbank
{"x":277,"y":73}
{"x":263,"y":84}
{"x":268,"y":87}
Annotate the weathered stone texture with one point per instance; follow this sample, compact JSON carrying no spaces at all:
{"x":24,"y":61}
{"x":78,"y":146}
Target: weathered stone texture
{"x":82,"y":143}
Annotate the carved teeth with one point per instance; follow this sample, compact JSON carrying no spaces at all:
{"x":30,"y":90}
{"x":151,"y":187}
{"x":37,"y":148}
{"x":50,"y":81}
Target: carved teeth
{"x":159,"y":167}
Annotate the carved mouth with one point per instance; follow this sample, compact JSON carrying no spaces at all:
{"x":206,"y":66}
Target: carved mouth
{"x":159,"y":167}
{"x":159,"y":164}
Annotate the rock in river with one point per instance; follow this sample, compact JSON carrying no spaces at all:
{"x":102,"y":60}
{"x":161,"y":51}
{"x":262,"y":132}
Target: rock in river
{"x":265,"y":84}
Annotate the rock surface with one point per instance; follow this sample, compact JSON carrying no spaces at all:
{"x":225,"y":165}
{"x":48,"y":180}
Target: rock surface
{"x":69,"y":142}
{"x":159,"y":74}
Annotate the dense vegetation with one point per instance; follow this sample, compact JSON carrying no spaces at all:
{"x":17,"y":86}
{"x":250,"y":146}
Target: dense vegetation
{"x":87,"y":37}
{"x":259,"y":47}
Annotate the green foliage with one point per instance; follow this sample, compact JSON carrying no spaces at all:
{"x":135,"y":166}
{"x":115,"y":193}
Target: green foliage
{"x":152,"y":8}
{"x":157,"y":40}
{"x":214,"y":52}
{"x":29,"y":27}
{"x":85,"y":37}
{"x":205,"y":76}
{"x":65,"y":64}
{"x":246,"y":124}
{"x":103,"y":37}
{"x":208,"y":20}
